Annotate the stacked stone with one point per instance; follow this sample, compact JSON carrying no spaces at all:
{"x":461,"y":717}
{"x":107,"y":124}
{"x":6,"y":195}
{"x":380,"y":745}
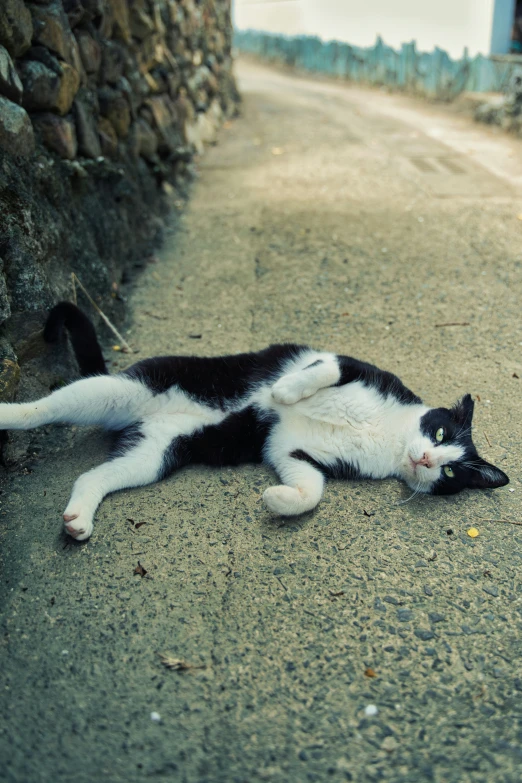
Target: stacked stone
{"x":102,"y":102}
{"x":114,"y":78}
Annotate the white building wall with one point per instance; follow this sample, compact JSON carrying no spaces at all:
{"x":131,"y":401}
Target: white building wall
{"x":449,"y":24}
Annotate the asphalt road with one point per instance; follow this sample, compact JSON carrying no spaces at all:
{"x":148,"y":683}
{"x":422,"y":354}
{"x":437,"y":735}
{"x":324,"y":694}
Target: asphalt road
{"x":370,"y":640}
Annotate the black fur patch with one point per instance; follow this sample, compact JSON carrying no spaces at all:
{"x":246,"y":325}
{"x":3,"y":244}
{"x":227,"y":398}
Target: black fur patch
{"x":436,"y":418}
{"x":304,"y":457}
{"x":216,"y":380}
{"x":345,"y":471}
{"x":337,"y":470}
{"x":237,"y":439}
{"x":385,"y":382}
{"x":126,"y":439}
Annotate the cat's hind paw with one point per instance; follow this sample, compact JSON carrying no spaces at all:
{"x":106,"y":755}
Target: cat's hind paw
{"x":287,"y":501}
{"x":77,"y":525}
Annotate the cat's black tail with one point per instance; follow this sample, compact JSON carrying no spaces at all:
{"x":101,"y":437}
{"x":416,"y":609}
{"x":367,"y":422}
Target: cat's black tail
{"x":82,"y":334}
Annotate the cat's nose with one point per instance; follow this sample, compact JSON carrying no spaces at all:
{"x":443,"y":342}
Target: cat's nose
{"x":425,"y":460}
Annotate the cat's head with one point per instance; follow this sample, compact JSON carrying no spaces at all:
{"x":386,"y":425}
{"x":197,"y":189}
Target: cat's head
{"x":440,"y":457}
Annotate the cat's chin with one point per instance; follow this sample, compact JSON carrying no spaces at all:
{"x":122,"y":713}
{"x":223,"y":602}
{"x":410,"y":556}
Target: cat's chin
{"x":416,"y":479}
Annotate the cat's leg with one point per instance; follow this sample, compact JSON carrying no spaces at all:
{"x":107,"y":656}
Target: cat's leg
{"x":298,"y":385}
{"x":139,"y":462}
{"x":302,"y":489}
{"x":112,"y":401}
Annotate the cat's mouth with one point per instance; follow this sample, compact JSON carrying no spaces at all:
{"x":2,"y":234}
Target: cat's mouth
{"x":418,"y":476}
{"x":425,"y":461}
{"x":416,"y":466}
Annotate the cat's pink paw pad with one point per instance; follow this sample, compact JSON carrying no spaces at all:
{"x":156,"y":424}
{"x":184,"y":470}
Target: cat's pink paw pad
{"x":78,"y":528}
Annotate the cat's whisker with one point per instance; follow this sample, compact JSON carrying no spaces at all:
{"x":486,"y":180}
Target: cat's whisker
{"x":472,"y":467}
{"x":416,"y":491}
{"x":463,"y":433}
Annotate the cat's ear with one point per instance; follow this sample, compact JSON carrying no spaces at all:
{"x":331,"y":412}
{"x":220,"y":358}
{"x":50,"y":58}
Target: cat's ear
{"x":486,"y":476}
{"x":462,"y":411}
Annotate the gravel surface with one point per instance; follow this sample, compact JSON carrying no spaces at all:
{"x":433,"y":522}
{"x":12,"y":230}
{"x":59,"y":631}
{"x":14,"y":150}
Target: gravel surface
{"x":368,"y":640}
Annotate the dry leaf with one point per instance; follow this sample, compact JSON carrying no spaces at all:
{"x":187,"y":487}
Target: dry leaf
{"x":140,"y":570}
{"x":116,"y":347}
{"x":176,"y":664}
{"x":277,"y":151}
{"x":370,"y":672}
{"x":473,"y":532}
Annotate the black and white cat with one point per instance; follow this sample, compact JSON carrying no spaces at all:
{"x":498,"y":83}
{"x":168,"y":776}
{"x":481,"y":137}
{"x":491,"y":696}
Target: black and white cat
{"x":308,"y":414}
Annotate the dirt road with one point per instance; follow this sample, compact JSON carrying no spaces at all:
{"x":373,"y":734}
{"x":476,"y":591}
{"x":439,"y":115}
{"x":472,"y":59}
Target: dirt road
{"x":369,"y":640}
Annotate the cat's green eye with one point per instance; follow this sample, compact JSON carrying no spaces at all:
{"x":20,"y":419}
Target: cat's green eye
{"x":448,"y":471}
{"x":439,"y":435}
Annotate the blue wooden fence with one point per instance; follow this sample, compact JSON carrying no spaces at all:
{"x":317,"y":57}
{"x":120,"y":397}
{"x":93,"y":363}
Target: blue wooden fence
{"x":435,"y":74}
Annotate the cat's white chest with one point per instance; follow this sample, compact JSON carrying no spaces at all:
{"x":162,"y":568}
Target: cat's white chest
{"x":352,"y":423}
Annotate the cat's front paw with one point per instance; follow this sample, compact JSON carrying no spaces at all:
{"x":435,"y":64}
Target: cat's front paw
{"x":287,"y":501}
{"x":288,"y":390}
{"x":77,"y":525}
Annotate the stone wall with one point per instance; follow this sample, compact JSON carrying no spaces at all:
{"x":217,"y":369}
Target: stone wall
{"x":103,"y":104}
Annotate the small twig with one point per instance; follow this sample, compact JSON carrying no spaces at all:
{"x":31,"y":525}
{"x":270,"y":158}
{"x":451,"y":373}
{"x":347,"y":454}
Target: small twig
{"x":282,"y":584}
{"x":125,"y":344}
{"x":453,"y":323}
{"x":319,"y":616}
{"x":177,"y":664}
{"x":489,"y":443}
{"x":158,"y":317}
{"x":504,"y":521}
